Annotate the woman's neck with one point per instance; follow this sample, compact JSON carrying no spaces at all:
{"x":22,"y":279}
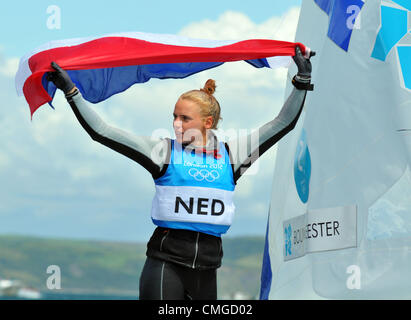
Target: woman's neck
{"x":204,"y":142}
{"x":198,"y":143}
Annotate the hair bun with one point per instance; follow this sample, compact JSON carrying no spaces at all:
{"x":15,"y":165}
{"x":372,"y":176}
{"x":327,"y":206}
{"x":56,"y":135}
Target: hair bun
{"x":209,"y":86}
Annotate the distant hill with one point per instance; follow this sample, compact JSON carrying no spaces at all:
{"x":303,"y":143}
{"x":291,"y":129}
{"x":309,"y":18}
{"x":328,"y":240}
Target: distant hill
{"x":114,"y":267}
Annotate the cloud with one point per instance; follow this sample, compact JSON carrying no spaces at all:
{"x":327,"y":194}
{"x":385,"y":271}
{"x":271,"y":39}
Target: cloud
{"x":8,"y":66}
{"x":236,"y":25}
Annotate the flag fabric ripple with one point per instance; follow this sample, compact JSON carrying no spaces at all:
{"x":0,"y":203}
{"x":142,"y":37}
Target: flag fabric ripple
{"x":103,"y":66}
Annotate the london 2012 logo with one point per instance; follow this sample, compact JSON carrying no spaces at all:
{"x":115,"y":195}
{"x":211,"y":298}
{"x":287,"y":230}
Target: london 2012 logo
{"x":287,"y":233}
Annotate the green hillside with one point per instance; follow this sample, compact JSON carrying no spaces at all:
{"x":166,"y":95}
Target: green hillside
{"x":114,"y":267}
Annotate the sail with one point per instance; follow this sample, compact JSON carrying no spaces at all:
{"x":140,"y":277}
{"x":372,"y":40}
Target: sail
{"x":339,"y":223}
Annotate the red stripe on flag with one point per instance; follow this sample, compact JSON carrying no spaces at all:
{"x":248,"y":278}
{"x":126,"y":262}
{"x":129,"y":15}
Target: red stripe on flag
{"x":35,"y":93}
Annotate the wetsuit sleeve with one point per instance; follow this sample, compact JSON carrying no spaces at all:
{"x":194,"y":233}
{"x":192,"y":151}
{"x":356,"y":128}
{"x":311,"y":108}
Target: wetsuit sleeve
{"x":245,"y":151}
{"x":149,"y":152}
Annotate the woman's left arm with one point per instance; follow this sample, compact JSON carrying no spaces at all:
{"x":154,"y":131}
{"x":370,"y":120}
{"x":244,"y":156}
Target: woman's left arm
{"x":270,"y":133}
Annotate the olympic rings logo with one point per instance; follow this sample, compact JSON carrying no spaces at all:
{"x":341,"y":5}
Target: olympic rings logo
{"x":204,"y":174}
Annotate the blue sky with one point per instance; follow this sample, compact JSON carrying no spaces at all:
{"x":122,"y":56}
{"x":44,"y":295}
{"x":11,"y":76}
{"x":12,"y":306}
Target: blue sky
{"x":57,"y":182}
{"x":26,"y":20}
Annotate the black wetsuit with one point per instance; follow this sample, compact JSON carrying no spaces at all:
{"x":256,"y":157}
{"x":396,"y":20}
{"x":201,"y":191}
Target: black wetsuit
{"x":181,"y":264}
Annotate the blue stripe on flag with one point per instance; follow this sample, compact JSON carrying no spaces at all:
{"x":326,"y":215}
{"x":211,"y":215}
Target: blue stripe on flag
{"x":258,"y":63}
{"x":50,"y":88}
{"x":99,"y":84}
{"x":266,"y":273}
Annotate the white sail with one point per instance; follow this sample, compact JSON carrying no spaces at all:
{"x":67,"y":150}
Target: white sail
{"x":340,"y":213}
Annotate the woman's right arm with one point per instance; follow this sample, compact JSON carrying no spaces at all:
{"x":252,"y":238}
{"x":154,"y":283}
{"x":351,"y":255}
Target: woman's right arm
{"x":149,"y":152}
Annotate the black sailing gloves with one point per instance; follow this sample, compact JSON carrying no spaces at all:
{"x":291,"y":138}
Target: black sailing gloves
{"x":60,"y":78}
{"x":302,"y":80}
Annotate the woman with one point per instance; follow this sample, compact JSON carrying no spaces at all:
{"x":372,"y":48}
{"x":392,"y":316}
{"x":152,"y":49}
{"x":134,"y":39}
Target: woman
{"x":195,"y":176}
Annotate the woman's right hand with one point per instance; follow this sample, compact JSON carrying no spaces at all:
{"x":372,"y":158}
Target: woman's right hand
{"x":61,"y":79}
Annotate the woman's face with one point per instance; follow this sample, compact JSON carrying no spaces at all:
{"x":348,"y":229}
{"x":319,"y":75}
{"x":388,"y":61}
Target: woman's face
{"x":189,"y":125}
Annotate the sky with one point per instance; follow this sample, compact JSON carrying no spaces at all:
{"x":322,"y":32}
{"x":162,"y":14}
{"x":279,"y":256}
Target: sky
{"x":57,"y":182}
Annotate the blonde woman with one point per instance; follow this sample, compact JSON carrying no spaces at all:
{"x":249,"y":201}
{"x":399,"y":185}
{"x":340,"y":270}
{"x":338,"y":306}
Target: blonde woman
{"x":195,"y":177}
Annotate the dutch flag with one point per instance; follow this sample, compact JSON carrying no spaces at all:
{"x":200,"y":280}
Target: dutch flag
{"x":103,"y":66}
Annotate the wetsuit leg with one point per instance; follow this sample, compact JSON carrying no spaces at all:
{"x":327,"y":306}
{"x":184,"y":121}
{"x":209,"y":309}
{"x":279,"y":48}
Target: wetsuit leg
{"x":160,"y":281}
{"x":201,"y":284}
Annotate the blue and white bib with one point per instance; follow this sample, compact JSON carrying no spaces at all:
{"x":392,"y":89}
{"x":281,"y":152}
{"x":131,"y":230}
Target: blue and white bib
{"x":196,"y":192}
